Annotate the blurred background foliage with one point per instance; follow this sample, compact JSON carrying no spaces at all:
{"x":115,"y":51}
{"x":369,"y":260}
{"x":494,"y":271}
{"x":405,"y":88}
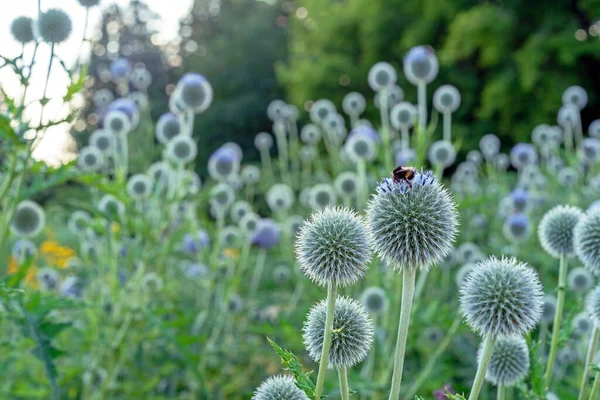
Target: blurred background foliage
{"x":511,"y":60}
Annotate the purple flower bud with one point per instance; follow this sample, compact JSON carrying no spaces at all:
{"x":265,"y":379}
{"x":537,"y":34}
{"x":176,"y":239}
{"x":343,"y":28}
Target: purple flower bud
{"x":120,"y":68}
{"x":267,"y":234}
{"x":365,"y":130}
{"x":193,"y":244}
{"x":126,"y":106}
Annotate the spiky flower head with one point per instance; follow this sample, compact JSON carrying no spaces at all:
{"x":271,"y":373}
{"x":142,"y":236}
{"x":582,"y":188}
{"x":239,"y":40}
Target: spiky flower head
{"x":54,"y":26}
{"x":182,"y":149}
{"x":111,"y":206}
{"x":354,"y":104}
{"x":580,"y":280}
{"x":446,"y":98}
{"x":168,"y":126}
{"x":22,"y":29}
{"x":276,"y":110}
{"x":250,"y":174}
{"x":468,"y":252}
{"x":556,"y":230}
{"x":549,"y":308}
{"x":517,"y":227}
{"x":412,"y":227}
{"x":489,"y":144}
{"x":281,"y":387}
{"x":322,"y":195}
{"x":28,"y":220}
{"x":587,"y":240}
{"x":139,"y":186}
{"x":375,"y":300}
{"x":117,"y":123}
{"x":360,"y":147}
{"x":582,"y":324}
{"x":381,"y":76}
{"x":103,"y":140}
{"x":462,"y":273}
{"x":333,"y":247}
{"x":195,"y":92}
{"x":421,"y":65}
{"x":442,"y":153}
{"x":346,"y":184}
{"x":592,"y":305}
{"x":22,"y":250}
{"x":47,"y":278}
{"x":310,"y":134}
{"x":403,"y":115}
{"x":263,"y":141}
{"x":321,"y":109}
{"x":79,"y":221}
{"x":352,"y":333}
{"x":523,"y":154}
{"x":280,"y":197}
{"x":222,"y":164}
{"x":140,"y":78}
{"x":501,"y":297}
{"x":509,"y":362}
{"x":90,"y":159}
{"x":267,"y":234}
{"x":575,"y":95}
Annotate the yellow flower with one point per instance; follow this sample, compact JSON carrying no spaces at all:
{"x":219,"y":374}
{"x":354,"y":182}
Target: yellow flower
{"x":115,"y":227}
{"x":231,"y":253}
{"x":55,"y":254}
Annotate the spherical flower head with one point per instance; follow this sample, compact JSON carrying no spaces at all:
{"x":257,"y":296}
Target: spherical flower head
{"x":352,"y":332}
{"x":267,"y":234}
{"x":394,"y":95}
{"x":335,"y":128}
{"x":586,"y":238}
{"x":195,"y":92}
{"x":140,"y":78}
{"x":403,"y":115}
{"x":592,"y":305}
{"x":47,"y":278}
{"x":523,"y":154}
{"x":128,"y":107}
{"x":509,"y":362}
{"x":320,"y":110}
{"x":346,"y":184}
{"x":276,"y":110}
{"x":517,"y":227}
{"x":519,"y":198}
{"x":468,"y":252}
{"x":90,"y":159}
{"x":442,"y":153}
{"x":279,"y":387}
{"x":79,"y":221}
{"x":354,"y":104}
{"x":222,"y":164}
{"x":568,"y":116}
{"x":263,"y":141}
{"x":333,"y":247}
{"x":250,"y":174}
{"x":421,"y":65}
{"x":582,"y":324}
{"x":281,"y":274}
{"x":594,"y":129}
{"x":239,"y":210}
{"x":575,"y":95}
{"x":501,"y":297}
{"x":167,"y":127}
{"x":117,"y":123}
{"x":568,"y":177}
{"x":589,"y":150}
{"x":111,"y":206}
{"x":280,"y":197}
{"x":229,"y":236}
{"x":193,"y":243}
{"x":28,"y":220}
{"x":310,"y":134}
{"x":139,"y":186}
{"x":549,"y":309}
{"x":181,"y":149}
{"x":580,"y":280}
{"x":53,"y":26}
{"x":405,"y":157}
{"x":102,"y":140}
{"x":381,"y":76}
{"x":222,"y":196}
{"x":375,"y":300}
{"x":89,"y":3}
{"x":462,"y":273}
{"x":412,"y":227}
{"x":322,"y":195}
{"x":556,"y":230}
{"x":22,"y":29}
{"x":446,"y":98}
{"x":360,"y":147}
{"x":120,"y":69}
{"x":249,"y":223}
{"x":22,"y":250}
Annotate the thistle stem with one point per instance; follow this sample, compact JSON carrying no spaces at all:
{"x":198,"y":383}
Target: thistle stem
{"x":562,"y":279}
{"x":488,"y":346}
{"x":408,"y":291}
{"x":596,"y":388}
{"x":422,"y":99}
{"x":501,"y":393}
{"x":331,"y":297}
{"x":258,"y":272}
{"x":448,"y":126}
{"x":344,"y":391}
{"x":385,"y":129}
{"x":589,"y":360}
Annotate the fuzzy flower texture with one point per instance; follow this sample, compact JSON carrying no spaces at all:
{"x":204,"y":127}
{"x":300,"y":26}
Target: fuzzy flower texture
{"x":412,"y":228}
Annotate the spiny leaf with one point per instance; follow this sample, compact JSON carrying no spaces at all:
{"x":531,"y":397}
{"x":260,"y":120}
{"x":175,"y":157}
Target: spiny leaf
{"x":76,"y":85}
{"x":290,"y":363}
{"x":7,"y":132}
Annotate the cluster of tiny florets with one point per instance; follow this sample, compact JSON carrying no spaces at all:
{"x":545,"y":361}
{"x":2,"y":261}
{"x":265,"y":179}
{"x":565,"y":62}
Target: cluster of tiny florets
{"x":509,"y":362}
{"x":556,"y":230}
{"x":587,"y":240}
{"x":281,"y":387}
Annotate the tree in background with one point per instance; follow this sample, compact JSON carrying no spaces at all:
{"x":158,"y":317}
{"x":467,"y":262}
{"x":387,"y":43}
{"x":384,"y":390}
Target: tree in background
{"x":235,"y":44}
{"x":511,"y":60}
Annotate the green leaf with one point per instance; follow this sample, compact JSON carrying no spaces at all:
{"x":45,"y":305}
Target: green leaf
{"x":76,"y":85}
{"x":7,"y":132}
{"x":290,"y":363}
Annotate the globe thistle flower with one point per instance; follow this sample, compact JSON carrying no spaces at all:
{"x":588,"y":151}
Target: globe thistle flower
{"x":575,"y":95}
{"x":517,"y":228}
{"x":128,"y":107}
{"x":103,"y":140}
{"x":190,"y":183}
{"x":322,"y":195}
{"x":192,"y":243}
{"x":346,"y":185}
{"x":70,"y":287}
{"x":111,"y":206}
{"x":586,"y":237}
{"x":53,"y":26}
{"x":181,"y":149}
{"x":250,"y":174}
{"x":501,"y":162}
{"x":276,"y":110}
{"x":195,"y":92}
{"x":420,"y":65}
{"x":266,"y":235}
{"x":381,"y":75}
{"x":354,"y":104}
{"x":589,"y":150}
{"x":117,"y":123}
{"x":333,"y":247}
{"x":375,"y":300}
{"x":222,"y":164}
{"x":412,"y":227}
{"x":406,"y":157}
{"x":580,"y":280}
{"x":239,"y":210}
{"x":489,"y":145}
{"x":352,"y":333}
{"x":430,"y":337}
{"x":519,"y":200}
{"x":90,"y":249}
{"x":394,"y":94}
{"x":222,"y":196}
{"x":22,"y":250}
{"x":442,"y":154}
{"x":567,"y":177}
{"x":229,"y":236}
{"x":509,"y":363}
{"x":320,"y":110}
{"x":549,"y":309}
{"x":523,"y":154}
{"x":582,"y":324}
{"x":403,"y":115}
{"x":310,"y":134}
{"x":556,"y":230}
{"x":594,"y":129}
{"x":360,"y":147}
{"x":140,"y":78}
{"x":139,"y":186}
{"x":446,"y":98}
{"x":501,"y":297}
{"x":22,"y":29}
{"x":335,"y":128}
{"x":592,"y":305}
{"x":236,"y":149}
{"x":120,"y":69}
{"x":103,"y":97}
{"x":279,"y":387}
{"x":90,"y":159}
{"x":281,"y":274}
{"x":263,"y":141}
{"x":79,"y":221}
{"x":139,"y":99}
{"x":168,"y":126}
{"x":568,"y":116}
{"x":293,"y":225}
{"x":160,"y":172}
{"x":541,"y":135}
{"x":468,"y":252}
{"x":280,"y":197}
{"x":249,"y":223}
{"x":28,"y":219}
{"x":462,"y":273}
{"x":195,"y":270}
{"x":47,"y":278}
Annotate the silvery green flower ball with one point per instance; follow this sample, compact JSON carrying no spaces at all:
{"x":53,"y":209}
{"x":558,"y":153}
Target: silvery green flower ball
{"x":322,"y":195}
{"x":582,"y":324}
{"x":587,"y":240}
{"x":333,"y":247}
{"x":502,"y":297}
{"x":412,"y":228}
{"x":54,"y":26}
{"x":281,"y":387}
{"x":509,"y":362}
{"x":442,"y":153}
{"x":375,"y":300}
{"x":22,"y":29}
{"x":462,"y":273}
{"x":352,"y":332}
{"x":556,"y":230}
{"x":549,"y":308}
{"x":139,"y":186}
{"x":22,"y":250}
{"x":28,"y":220}
{"x":592,"y":305}
{"x":580,"y":279}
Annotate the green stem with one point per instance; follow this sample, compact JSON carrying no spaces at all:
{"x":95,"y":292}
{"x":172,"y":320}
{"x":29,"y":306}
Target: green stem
{"x":408,"y":291}
{"x":331,"y":297}
{"x":595,"y":393}
{"x":486,"y":354}
{"x":258,"y":272}
{"x":385,"y":131}
{"x":363,"y":187}
{"x":447,"y":126}
{"x":344,"y":391}
{"x":560,"y":302}
{"x":589,"y":360}
{"x":501,"y":392}
{"x":422,"y":100}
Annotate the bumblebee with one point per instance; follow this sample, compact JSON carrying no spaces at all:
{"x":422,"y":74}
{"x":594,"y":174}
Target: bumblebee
{"x":406,"y":174}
